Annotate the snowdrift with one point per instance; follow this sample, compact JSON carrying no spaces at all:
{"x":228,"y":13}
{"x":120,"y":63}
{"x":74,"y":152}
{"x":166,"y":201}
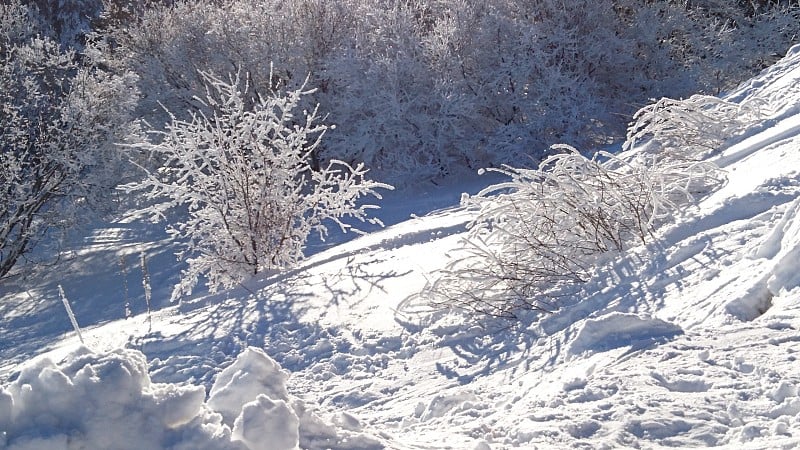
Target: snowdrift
{"x":108,"y":401}
{"x":689,"y":341}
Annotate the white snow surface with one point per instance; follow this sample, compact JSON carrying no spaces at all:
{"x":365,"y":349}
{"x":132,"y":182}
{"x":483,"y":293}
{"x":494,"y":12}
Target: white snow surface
{"x":691,"y":341}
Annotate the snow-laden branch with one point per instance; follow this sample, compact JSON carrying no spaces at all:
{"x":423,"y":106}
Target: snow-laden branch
{"x":60,"y":113}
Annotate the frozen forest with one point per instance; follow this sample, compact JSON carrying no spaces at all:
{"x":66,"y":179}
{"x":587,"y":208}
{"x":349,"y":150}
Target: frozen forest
{"x":368,"y":224}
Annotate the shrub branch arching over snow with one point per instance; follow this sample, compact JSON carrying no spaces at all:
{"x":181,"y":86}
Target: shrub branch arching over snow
{"x":244,"y":174}
{"x":537,"y":236}
{"x":690,"y":128}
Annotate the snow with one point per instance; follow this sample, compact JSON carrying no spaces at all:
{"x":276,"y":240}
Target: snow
{"x":620,"y":330}
{"x":252,"y":374}
{"x":690,"y":341}
{"x":102,"y":401}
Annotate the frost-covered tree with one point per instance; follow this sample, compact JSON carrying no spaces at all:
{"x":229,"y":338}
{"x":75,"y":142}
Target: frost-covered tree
{"x":59,"y":116}
{"x":241,"y":172}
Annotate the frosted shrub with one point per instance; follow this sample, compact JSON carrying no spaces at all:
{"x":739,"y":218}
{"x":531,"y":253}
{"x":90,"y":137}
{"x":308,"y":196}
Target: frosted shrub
{"x":243,"y":174}
{"x":70,"y":19}
{"x":60,"y":113}
{"x":691,"y":128}
{"x":536,"y":236}
{"x":168,"y":43}
{"x":422,"y":90}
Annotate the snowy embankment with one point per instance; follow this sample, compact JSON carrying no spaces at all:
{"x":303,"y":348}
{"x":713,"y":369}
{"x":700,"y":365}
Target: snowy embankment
{"x":690,"y":341}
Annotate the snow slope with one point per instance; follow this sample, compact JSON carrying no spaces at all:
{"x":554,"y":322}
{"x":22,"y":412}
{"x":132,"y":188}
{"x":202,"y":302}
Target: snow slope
{"x":690,"y":341}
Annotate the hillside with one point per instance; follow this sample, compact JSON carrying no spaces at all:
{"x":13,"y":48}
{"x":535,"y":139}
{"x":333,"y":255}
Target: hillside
{"x":690,"y":341}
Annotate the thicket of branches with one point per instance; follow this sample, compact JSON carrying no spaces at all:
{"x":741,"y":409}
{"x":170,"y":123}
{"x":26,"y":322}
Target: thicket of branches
{"x":421,"y":89}
{"x":538,"y":236}
{"x":417,"y":89}
{"x":60,"y":113}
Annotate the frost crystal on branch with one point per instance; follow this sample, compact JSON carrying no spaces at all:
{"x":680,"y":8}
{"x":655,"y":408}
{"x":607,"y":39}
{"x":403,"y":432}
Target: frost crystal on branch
{"x":243,"y":171}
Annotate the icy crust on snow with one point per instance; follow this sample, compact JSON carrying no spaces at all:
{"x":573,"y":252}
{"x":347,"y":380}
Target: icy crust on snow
{"x":107,"y":400}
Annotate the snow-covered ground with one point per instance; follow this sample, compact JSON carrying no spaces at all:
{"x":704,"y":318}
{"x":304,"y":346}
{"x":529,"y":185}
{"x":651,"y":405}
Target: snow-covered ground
{"x":690,"y":341}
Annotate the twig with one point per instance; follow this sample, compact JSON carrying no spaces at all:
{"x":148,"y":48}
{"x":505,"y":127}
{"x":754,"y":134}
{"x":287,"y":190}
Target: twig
{"x":70,"y":313}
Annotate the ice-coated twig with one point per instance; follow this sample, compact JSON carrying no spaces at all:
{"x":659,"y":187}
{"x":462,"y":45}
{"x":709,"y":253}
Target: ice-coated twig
{"x":70,"y":313}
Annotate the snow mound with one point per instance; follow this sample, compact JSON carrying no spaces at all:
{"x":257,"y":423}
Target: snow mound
{"x":266,"y":424}
{"x":252,"y":374}
{"x":620,"y":329}
{"x":93,"y":400}
{"x":251,"y":395}
{"x":784,"y":243}
{"x":105,"y":401}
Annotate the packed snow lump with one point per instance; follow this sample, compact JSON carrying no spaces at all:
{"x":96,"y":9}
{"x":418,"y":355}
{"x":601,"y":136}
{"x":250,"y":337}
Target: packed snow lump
{"x":108,"y":401}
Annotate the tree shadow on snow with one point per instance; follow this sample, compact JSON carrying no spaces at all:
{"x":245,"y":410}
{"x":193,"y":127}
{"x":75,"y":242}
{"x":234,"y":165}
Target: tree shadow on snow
{"x":537,"y":341}
{"x":102,"y":279}
{"x":214,"y":330}
{"x":273,"y":314}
